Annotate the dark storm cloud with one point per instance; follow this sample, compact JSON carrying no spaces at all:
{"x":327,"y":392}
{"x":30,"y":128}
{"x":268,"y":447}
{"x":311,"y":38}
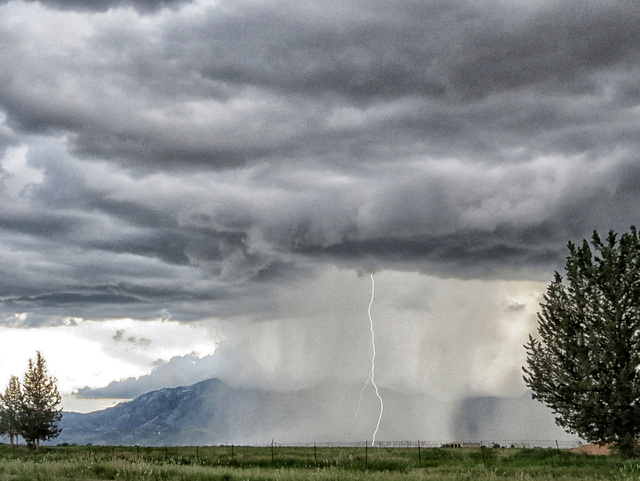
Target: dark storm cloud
{"x":463,"y":254}
{"x":68,"y":298}
{"x":168,"y":247}
{"x":559,"y":46}
{"x":37,"y":224}
{"x":197,"y":155}
{"x":377,"y":50}
{"x":358,"y":51}
{"x":104,"y":5}
{"x":423,"y":78}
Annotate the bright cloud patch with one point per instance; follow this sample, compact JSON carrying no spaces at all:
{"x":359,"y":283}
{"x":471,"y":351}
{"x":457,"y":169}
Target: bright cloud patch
{"x":94,"y":353}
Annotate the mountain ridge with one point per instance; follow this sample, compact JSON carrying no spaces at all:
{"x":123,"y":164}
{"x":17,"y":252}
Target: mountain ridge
{"x":211,"y":412}
{"x":162,"y":416}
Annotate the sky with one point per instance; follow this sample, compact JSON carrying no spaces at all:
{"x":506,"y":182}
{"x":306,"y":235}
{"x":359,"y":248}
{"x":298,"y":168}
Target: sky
{"x":198,"y":188}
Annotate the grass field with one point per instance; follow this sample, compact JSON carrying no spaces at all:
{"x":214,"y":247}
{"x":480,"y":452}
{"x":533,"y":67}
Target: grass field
{"x":294,"y":463}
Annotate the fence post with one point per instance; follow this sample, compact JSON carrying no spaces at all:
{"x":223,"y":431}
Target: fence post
{"x":366,"y":454}
{"x":272,"y":458}
{"x":232,"y":452}
{"x":419,"y":453}
{"x":484,"y":461}
{"x":197,"y":453}
{"x":315,"y":453}
{"x":557,"y":446}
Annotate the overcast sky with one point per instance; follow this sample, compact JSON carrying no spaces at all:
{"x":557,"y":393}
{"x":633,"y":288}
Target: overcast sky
{"x":201,"y":188}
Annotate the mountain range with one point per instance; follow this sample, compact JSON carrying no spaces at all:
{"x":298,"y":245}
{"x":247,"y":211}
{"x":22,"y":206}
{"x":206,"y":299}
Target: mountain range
{"x":212,"y":412}
{"x":209,"y":412}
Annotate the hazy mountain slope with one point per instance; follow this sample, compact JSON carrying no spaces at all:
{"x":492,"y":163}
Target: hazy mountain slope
{"x":212,"y":412}
{"x":183,"y":415}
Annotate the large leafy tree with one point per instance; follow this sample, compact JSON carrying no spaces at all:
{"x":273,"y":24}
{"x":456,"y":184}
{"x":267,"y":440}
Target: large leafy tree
{"x":10,"y":406}
{"x":39,"y":414}
{"x":584,"y":362}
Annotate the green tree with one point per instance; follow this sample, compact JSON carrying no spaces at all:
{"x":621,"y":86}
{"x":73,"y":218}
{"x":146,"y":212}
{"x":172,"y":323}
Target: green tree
{"x":11,"y":402}
{"x":584,"y":362}
{"x":39,"y":415}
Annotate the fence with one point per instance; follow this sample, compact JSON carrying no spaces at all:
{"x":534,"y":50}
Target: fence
{"x":325,"y":453}
{"x":467,"y":443}
{"x":384,"y":455}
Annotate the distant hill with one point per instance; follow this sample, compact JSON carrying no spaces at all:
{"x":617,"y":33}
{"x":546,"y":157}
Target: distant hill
{"x":211,"y":413}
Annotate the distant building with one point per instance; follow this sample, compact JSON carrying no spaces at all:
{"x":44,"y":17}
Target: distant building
{"x":463,"y":444}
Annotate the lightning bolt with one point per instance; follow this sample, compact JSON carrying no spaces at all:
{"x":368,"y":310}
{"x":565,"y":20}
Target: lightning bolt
{"x":372,"y":373}
{"x":372,"y":376}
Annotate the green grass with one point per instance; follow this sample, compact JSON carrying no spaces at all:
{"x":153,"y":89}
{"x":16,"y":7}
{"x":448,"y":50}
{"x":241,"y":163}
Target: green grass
{"x":224,"y":463}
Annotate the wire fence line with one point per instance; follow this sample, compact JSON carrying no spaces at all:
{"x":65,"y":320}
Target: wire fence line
{"x":490,"y":443}
{"x":316,"y":454}
{"x":384,"y":455}
{"x":275,"y":445}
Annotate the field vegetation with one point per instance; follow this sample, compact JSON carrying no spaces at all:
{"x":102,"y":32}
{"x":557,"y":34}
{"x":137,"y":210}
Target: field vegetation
{"x":226,"y":463}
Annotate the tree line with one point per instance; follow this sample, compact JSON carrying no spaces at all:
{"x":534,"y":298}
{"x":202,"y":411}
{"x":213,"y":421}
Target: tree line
{"x":30,"y":409}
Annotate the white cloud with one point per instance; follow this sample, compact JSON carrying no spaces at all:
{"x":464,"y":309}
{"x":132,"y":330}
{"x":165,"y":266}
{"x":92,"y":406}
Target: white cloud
{"x":18,"y":174}
{"x":86,"y":354}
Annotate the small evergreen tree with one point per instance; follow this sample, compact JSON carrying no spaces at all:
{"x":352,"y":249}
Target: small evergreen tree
{"x":11,"y":404}
{"x":584,"y":363}
{"x":39,"y":416}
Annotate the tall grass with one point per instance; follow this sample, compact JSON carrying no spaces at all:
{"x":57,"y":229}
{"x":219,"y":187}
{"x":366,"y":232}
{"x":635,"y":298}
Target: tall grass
{"x":89,"y":463}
